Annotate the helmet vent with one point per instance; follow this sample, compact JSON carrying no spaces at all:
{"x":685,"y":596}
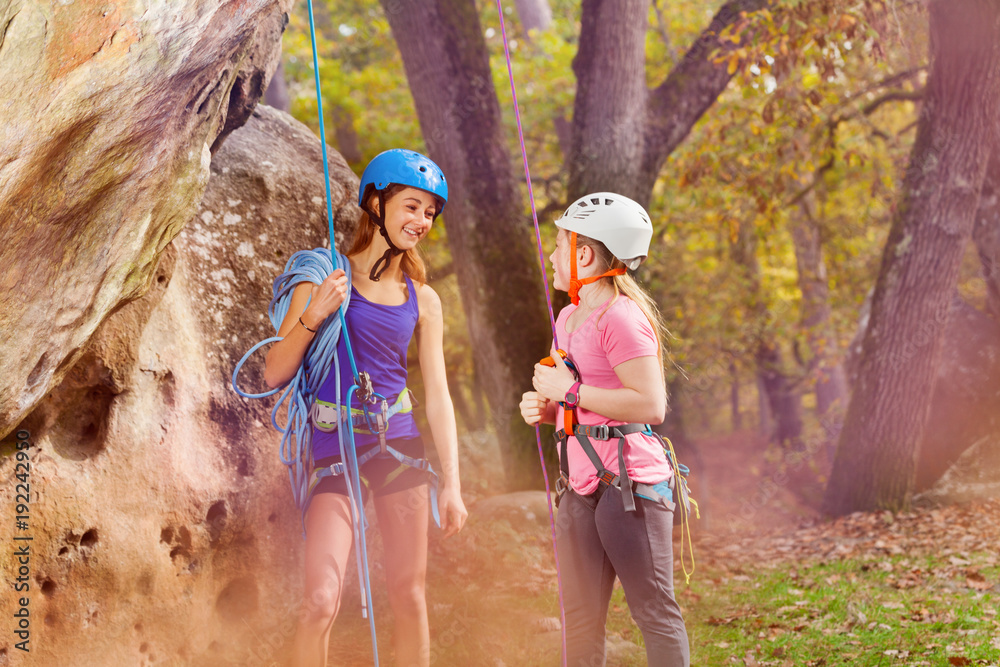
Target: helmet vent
{"x":609,"y":202}
{"x":596,"y":201}
{"x":423,"y":169}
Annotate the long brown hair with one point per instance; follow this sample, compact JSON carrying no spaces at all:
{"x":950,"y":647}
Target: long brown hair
{"x":627,"y":285}
{"x":411,"y":262}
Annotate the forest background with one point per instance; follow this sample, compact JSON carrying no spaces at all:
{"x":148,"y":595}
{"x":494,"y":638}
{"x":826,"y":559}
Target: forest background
{"x":772,"y":198}
{"x":822,"y":177}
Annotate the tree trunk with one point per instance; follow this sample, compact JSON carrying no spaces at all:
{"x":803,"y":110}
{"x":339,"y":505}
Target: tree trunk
{"x":345,"y":136}
{"x":610,"y":107}
{"x":276,"y":94}
{"x":824,"y":364}
{"x":986,"y":234}
{"x":490,"y":237}
{"x":876,"y":457}
{"x":734,"y":397}
{"x":534,"y":15}
{"x":965,"y":408}
{"x":782,"y":397}
{"x":765,"y":422}
{"x":623,"y":132}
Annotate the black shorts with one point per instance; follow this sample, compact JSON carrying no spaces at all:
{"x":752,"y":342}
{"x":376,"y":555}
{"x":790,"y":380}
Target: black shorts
{"x":381,"y":475}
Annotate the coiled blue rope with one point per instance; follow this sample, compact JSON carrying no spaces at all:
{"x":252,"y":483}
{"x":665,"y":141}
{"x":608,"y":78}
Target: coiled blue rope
{"x":296,"y":437}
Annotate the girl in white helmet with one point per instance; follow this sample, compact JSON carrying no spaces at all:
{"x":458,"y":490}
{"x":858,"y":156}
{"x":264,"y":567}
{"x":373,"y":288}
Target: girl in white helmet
{"x":616,"y":505}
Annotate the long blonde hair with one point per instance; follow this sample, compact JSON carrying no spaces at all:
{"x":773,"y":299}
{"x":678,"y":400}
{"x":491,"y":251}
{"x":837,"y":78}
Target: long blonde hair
{"x":412,"y":263}
{"x":627,"y":285}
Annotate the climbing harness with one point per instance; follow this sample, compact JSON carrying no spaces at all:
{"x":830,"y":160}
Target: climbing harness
{"x":664,"y":493}
{"x":328,"y":417}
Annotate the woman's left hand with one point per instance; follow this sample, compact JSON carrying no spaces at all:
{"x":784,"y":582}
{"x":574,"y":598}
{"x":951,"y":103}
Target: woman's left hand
{"x":553,"y":382}
{"x":452,"y":509}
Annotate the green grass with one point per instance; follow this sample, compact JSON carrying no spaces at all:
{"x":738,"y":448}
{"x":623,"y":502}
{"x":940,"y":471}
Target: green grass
{"x":895,"y":610}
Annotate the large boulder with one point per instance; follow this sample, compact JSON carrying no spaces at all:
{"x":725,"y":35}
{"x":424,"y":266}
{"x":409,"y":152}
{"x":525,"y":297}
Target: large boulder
{"x":163,"y":527}
{"x":111,"y":112}
{"x":965,"y":409}
{"x":974,"y":476}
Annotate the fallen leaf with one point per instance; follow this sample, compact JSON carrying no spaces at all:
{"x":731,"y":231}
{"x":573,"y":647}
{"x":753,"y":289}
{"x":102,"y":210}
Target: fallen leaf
{"x":714,"y":620}
{"x":976,"y":581}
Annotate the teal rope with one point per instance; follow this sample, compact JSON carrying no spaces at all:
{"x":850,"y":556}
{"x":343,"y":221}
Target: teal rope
{"x":357,"y":500}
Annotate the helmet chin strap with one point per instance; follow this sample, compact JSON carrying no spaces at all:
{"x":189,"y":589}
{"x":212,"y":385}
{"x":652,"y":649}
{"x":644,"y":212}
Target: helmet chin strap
{"x":574,"y":283}
{"x":382,"y":263}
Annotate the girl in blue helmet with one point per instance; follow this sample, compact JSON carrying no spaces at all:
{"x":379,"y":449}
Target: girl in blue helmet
{"x":401,"y":194}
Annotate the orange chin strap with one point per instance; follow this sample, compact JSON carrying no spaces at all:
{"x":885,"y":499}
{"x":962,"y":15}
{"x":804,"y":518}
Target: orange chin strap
{"x":574,"y":283}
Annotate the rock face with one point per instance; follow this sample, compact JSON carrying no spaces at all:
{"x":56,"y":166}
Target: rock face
{"x":162,"y":522}
{"x":111,"y":112}
{"x":966,"y":404}
{"x":976,"y":475}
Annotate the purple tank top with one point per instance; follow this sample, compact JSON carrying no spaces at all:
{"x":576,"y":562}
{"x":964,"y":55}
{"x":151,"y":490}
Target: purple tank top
{"x":380,"y":336}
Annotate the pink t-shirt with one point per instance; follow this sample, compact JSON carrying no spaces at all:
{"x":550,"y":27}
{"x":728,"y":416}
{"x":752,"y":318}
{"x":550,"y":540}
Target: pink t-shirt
{"x":596,"y":347}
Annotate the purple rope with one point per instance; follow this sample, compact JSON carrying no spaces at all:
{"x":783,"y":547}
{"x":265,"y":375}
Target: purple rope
{"x":552,"y":322}
{"x":527,"y":178}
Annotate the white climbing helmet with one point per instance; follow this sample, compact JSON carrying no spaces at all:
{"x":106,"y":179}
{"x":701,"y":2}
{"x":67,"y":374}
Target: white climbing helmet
{"x":618,"y":222}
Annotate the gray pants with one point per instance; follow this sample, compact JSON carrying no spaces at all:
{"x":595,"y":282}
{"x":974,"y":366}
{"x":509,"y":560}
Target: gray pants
{"x":595,"y":544}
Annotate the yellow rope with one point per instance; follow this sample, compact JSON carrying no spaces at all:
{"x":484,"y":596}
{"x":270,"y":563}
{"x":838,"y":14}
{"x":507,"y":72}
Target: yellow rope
{"x":685,"y":519}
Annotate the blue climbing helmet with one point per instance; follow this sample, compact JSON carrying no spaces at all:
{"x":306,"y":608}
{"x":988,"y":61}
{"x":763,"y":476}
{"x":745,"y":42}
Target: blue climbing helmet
{"x":404,"y":167}
{"x":401,"y":167}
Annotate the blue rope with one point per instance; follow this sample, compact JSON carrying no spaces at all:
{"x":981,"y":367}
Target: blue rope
{"x":314,"y":266}
{"x":358,"y":511}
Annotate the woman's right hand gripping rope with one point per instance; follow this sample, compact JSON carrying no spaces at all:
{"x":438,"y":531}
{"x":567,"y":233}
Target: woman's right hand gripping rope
{"x":326,"y":298}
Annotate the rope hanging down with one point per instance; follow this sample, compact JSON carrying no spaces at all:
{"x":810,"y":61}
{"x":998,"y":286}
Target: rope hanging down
{"x":296,"y":443}
{"x":552,"y":319}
